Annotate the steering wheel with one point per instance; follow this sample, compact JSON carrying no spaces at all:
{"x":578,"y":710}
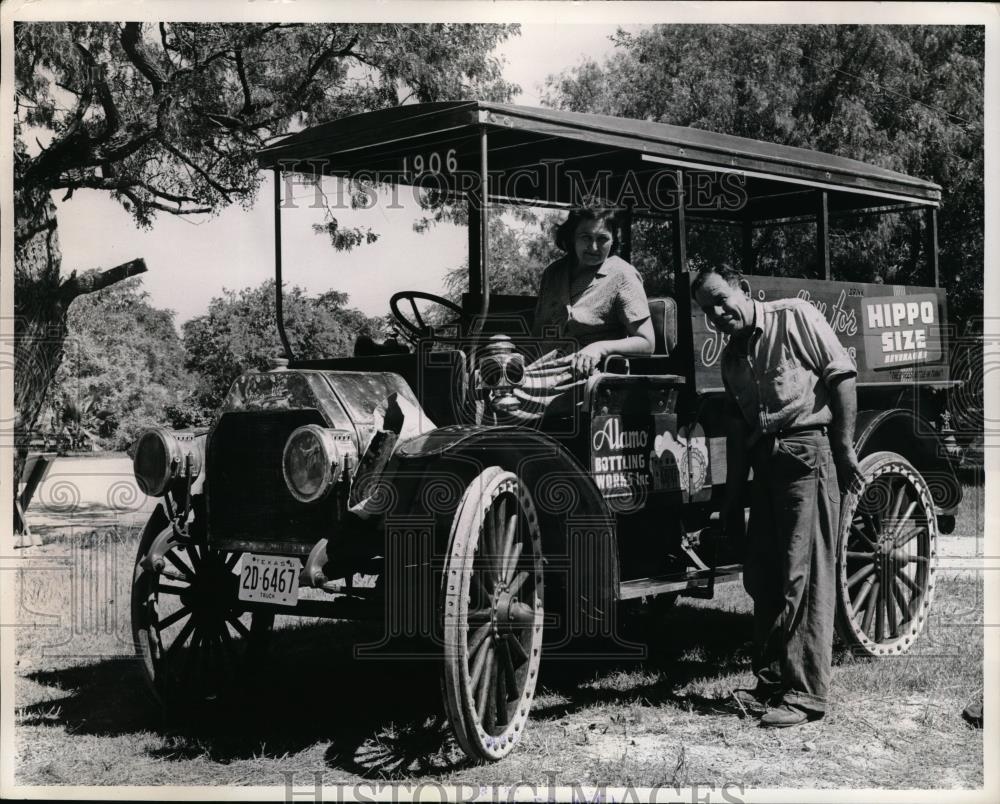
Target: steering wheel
{"x":416,"y":328}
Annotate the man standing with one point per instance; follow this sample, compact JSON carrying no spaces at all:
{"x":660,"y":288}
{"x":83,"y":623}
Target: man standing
{"x":790,"y":395}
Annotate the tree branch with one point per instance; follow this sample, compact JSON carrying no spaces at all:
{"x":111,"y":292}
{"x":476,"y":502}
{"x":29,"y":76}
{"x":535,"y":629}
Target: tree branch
{"x":177,"y":199}
{"x":60,"y":155}
{"x":151,"y":204}
{"x":324,"y":57}
{"x":131,"y":36}
{"x":183,"y":71}
{"x":126,"y":149}
{"x":95,"y":183}
{"x":221,"y":190}
{"x":92,"y":281}
{"x":234,"y":124}
{"x":51,"y":159}
{"x":363,"y":59}
{"x":248,"y":105}
{"x":112,"y":120}
{"x":166,"y":47}
{"x":67,"y":87}
{"x":254,"y":36}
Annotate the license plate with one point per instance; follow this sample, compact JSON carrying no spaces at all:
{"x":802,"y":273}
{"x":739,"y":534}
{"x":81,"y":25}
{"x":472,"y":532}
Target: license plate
{"x":269,"y":579}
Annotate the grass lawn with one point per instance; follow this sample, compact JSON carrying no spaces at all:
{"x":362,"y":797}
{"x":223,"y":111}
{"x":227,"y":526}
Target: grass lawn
{"x":83,"y":716}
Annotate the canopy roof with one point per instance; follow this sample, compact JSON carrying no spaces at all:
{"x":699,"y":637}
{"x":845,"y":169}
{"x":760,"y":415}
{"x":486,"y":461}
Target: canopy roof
{"x":525,"y":142}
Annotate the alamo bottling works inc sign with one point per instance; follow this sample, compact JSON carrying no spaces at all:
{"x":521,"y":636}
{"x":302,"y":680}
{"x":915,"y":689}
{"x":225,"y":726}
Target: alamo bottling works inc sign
{"x":620,"y":455}
{"x":901,"y":330}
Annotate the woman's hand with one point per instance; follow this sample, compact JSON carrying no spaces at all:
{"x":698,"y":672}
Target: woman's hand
{"x":587,"y":359}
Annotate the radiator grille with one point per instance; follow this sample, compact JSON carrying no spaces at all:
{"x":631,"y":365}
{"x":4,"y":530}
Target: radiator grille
{"x":246,"y":492}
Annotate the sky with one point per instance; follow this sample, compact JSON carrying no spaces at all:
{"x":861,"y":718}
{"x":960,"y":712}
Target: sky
{"x":191,"y":260}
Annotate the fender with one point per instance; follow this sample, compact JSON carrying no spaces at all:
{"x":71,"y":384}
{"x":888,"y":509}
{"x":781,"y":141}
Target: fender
{"x":532,"y":455}
{"x":431,"y":472}
{"x":445,"y":439}
{"x":912,"y":436}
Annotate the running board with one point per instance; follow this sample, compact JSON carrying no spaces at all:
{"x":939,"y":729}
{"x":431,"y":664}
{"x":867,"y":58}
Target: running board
{"x":694,"y":583}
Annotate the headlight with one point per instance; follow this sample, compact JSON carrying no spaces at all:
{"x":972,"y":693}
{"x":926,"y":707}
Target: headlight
{"x":500,"y":366}
{"x":502,"y":371}
{"x":161,"y":456}
{"x":310,"y":461}
{"x":499,"y":373}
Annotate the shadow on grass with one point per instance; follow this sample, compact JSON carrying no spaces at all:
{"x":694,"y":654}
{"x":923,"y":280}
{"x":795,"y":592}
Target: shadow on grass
{"x":381,"y":718}
{"x":681,"y":644}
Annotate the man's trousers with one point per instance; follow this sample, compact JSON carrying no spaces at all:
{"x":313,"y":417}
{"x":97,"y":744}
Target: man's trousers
{"x":790,"y":567}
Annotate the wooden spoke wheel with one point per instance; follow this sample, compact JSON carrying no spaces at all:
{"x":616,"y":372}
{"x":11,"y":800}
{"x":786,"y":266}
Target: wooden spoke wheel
{"x":191,"y":631}
{"x":887,"y":558}
{"x":493,"y":611}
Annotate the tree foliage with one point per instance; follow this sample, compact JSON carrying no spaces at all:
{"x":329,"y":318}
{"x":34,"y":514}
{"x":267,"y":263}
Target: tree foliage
{"x":519,"y":251}
{"x":124,"y":367}
{"x":238,"y":333}
{"x":907,"y":98}
{"x":166,"y":118}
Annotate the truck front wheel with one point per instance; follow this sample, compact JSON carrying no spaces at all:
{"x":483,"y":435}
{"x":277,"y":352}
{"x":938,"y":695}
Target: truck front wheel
{"x":493,"y":599}
{"x":193,"y":637}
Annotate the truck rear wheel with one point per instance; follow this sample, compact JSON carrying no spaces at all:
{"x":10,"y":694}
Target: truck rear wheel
{"x":493,"y":612}
{"x":887,"y":558}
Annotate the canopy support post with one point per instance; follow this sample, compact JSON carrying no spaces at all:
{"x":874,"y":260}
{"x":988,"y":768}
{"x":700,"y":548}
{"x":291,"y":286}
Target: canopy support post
{"x":678,"y":230}
{"x":932,"y":244}
{"x":625,"y":252}
{"x":484,"y":232}
{"x":823,"y":233}
{"x":278,"y":310}
{"x":747,"y":255}
{"x":475,"y":269}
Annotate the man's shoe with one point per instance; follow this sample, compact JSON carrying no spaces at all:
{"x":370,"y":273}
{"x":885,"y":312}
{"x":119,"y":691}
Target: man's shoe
{"x":786,"y":715}
{"x":974,"y":713}
{"x":756,"y":697}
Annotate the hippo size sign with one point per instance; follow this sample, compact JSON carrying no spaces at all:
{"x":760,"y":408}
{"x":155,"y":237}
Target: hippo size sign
{"x":901,"y":330}
{"x":893,"y":333}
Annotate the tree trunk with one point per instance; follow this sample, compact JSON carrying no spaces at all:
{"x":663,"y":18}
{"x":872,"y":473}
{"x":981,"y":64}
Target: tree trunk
{"x":41,"y":299}
{"x":39,"y":311}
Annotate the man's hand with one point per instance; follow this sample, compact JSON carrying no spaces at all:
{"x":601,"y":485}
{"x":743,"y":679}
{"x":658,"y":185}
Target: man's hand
{"x":848,"y":471}
{"x":587,"y":359}
{"x":844,"y":403}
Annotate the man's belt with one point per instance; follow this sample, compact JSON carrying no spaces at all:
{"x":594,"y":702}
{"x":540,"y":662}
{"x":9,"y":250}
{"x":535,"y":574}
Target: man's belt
{"x":808,"y":428}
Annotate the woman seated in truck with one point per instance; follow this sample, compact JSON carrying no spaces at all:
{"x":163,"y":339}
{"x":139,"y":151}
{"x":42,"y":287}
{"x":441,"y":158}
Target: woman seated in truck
{"x":590,"y":295}
{"x":591,"y":304}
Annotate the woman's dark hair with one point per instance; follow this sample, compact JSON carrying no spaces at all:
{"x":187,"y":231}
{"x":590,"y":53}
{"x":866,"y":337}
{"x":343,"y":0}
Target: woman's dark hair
{"x":566,"y":231}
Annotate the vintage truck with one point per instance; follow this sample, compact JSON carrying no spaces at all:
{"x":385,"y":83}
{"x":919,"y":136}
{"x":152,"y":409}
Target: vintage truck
{"x":390,"y":486}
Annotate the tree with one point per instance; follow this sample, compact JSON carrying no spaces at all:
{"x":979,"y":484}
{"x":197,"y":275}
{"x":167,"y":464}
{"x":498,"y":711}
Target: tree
{"x":238,"y":334}
{"x":166,"y":118}
{"x":124,"y":366}
{"x":907,"y":98}
{"x":518,"y":254}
